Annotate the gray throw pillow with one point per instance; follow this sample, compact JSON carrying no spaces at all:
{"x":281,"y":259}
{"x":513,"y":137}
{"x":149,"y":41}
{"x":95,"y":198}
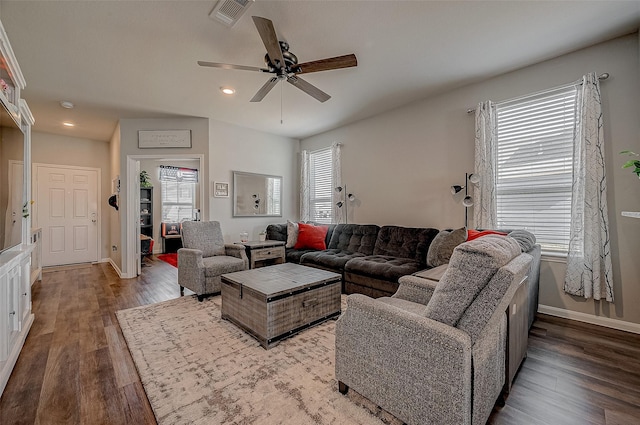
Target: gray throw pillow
{"x":443,"y":245}
{"x":292,"y":234}
{"x":472,"y":266}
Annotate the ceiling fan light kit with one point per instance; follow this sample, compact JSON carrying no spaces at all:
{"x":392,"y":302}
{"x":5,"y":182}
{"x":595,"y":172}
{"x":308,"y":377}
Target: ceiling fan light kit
{"x":284,"y":64}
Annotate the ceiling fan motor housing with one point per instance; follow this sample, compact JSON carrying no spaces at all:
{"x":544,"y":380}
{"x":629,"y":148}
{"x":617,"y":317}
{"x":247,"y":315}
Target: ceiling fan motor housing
{"x":289,"y":58}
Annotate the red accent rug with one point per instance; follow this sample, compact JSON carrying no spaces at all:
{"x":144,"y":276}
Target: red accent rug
{"x":171,"y":258}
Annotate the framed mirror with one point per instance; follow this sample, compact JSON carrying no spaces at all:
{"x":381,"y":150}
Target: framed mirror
{"x":256,"y":195}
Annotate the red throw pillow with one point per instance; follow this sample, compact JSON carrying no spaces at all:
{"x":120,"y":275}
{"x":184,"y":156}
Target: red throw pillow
{"x":311,"y":237}
{"x":475,"y":234}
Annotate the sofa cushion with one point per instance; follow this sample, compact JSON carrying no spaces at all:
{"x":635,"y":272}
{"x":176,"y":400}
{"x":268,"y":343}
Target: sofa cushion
{"x":443,"y":245}
{"x":292,"y":234}
{"x":311,"y":237}
{"x":472,"y":265}
{"x":352,"y":238}
{"x":293,"y":255}
{"x":404,"y":242}
{"x":333,"y":259}
{"x":277,"y":232}
{"x":205,"y":236}
{"x":383,"y":266}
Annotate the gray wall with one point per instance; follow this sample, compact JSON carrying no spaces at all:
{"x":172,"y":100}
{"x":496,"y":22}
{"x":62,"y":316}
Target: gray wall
{"x":401,"y":164}
{"x":235,"y":148}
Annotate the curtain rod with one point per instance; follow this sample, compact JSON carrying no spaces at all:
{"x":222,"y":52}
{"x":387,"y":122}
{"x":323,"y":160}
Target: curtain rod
{"x":602,"y":76}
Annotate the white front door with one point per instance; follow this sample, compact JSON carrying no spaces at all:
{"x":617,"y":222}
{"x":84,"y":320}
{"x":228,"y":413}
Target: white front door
{"x":67,"y":212}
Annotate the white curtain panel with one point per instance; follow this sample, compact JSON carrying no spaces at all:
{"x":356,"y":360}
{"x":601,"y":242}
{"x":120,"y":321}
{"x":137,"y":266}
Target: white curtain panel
{"x":304,"y":186}
{"x":339,"y":214}
{"x":589,"y":272}
{"x":484,"y":208}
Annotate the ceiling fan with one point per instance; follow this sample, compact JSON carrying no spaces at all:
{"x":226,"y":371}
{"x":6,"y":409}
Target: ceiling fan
{"x":284,"y":64}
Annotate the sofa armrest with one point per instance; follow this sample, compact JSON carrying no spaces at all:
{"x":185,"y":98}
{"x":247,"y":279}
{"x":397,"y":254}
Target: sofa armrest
{"x":238,"y":251}
{"x":394,"y":357}
{"x":415,"y":289}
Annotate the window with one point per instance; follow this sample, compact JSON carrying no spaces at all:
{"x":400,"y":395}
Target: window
{"x":178,"y":193}
{"x":535,"y":160}
{"x":321,"y":186}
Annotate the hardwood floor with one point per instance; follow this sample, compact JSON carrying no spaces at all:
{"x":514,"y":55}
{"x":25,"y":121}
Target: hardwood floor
{"x":75,"y":367}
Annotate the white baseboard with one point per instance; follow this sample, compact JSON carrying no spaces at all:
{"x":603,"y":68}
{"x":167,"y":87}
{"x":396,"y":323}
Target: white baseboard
{"x":590,"y":318}
{"x":115,"y":267}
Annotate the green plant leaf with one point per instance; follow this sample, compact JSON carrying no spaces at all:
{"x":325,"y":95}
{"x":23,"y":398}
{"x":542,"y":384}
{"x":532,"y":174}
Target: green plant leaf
{"x":629,"y":153}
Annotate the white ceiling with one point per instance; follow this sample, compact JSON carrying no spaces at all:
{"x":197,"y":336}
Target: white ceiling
{"x":126,"y":59}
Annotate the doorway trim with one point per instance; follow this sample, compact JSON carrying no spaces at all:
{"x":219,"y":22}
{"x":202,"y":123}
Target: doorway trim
{"x":132,"y":242}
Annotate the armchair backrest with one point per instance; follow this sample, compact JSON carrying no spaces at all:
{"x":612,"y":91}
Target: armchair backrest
{"x":492,"y":297}
{"x":205,"y":236}
{"x":471,"y":268}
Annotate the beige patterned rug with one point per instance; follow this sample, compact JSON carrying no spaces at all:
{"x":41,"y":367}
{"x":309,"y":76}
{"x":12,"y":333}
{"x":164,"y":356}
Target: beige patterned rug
{"x":199,"y":369}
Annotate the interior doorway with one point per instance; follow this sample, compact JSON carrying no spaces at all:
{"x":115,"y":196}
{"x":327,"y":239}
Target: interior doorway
{"x":134,"y":217}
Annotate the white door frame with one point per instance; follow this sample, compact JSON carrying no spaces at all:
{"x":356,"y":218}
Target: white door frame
{"x":34,"y":211}
{"x":132,"y":217}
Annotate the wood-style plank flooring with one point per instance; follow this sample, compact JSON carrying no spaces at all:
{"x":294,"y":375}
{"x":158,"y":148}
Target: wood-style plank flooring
{"x":75,"y":367}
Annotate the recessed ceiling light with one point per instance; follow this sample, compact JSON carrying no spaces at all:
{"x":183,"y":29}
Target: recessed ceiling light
{"x":68,"y":124}
{"x":66,"y":104}
{"x":227,"y":90}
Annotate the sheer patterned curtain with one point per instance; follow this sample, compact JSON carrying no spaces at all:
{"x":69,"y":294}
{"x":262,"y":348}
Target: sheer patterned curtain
{"x":589,"y":271}
{"x":339,"y":214}
{"x":304,"y":186}
{"x":484,"y":209}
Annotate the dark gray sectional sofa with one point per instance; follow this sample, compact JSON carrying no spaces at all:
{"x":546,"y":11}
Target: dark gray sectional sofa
{"x":371,"y":258}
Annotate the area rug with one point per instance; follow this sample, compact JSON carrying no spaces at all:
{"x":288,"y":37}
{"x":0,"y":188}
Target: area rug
{"x":171,"y":258}
{"x":199,"y":369}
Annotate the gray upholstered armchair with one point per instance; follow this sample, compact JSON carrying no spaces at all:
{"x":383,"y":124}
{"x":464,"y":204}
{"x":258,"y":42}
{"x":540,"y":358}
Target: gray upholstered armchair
{"x":434,"y":352}
{"x":205,"y":257}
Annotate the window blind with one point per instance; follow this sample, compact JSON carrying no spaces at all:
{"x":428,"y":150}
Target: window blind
{"x":178,"y":174}
{"x":178,"y":193}
{"x":320,"y":186}
{"x":534,"y":165}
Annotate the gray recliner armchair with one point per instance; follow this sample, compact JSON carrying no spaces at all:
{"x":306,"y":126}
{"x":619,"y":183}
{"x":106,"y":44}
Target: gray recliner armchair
{"x":434,"y":352}
{"x":205,"y":257}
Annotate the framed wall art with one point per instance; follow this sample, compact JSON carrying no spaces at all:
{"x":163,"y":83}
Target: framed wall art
{"x":221,"y":189}
{"x":164,"y":139}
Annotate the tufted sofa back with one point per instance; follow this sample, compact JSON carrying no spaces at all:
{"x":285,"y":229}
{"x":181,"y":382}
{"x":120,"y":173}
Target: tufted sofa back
{"x":354,"y":238}
{"x":404,"y":242}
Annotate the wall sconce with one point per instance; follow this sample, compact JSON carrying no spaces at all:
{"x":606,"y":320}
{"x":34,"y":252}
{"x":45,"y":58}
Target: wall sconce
{"x":348,"y":197}
{"x":467,"y":201}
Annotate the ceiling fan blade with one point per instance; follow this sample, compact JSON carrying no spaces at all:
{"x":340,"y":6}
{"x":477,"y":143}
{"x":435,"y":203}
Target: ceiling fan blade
{"x":346,"y":61}
{"x":270,"y":39}
{"x":230,"y":66}
{"x":308,"y":88}
{"x":266,"y":88}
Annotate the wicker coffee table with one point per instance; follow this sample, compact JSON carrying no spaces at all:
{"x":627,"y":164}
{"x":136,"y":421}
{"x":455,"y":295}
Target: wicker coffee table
{"x":274,"y":302}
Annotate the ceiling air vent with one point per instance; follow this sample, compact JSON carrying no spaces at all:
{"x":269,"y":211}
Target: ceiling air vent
{"x":229,"y":11}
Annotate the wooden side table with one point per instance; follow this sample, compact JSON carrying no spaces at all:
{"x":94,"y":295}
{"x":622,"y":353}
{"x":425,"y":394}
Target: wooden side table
{"x":262,"y":253}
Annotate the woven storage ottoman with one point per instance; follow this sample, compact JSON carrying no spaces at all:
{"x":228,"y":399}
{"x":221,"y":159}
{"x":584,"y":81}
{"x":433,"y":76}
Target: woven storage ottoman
{"x":272,"y":303}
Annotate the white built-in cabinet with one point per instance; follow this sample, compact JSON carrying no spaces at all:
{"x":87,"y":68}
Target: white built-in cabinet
{"x":16,"y":270}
